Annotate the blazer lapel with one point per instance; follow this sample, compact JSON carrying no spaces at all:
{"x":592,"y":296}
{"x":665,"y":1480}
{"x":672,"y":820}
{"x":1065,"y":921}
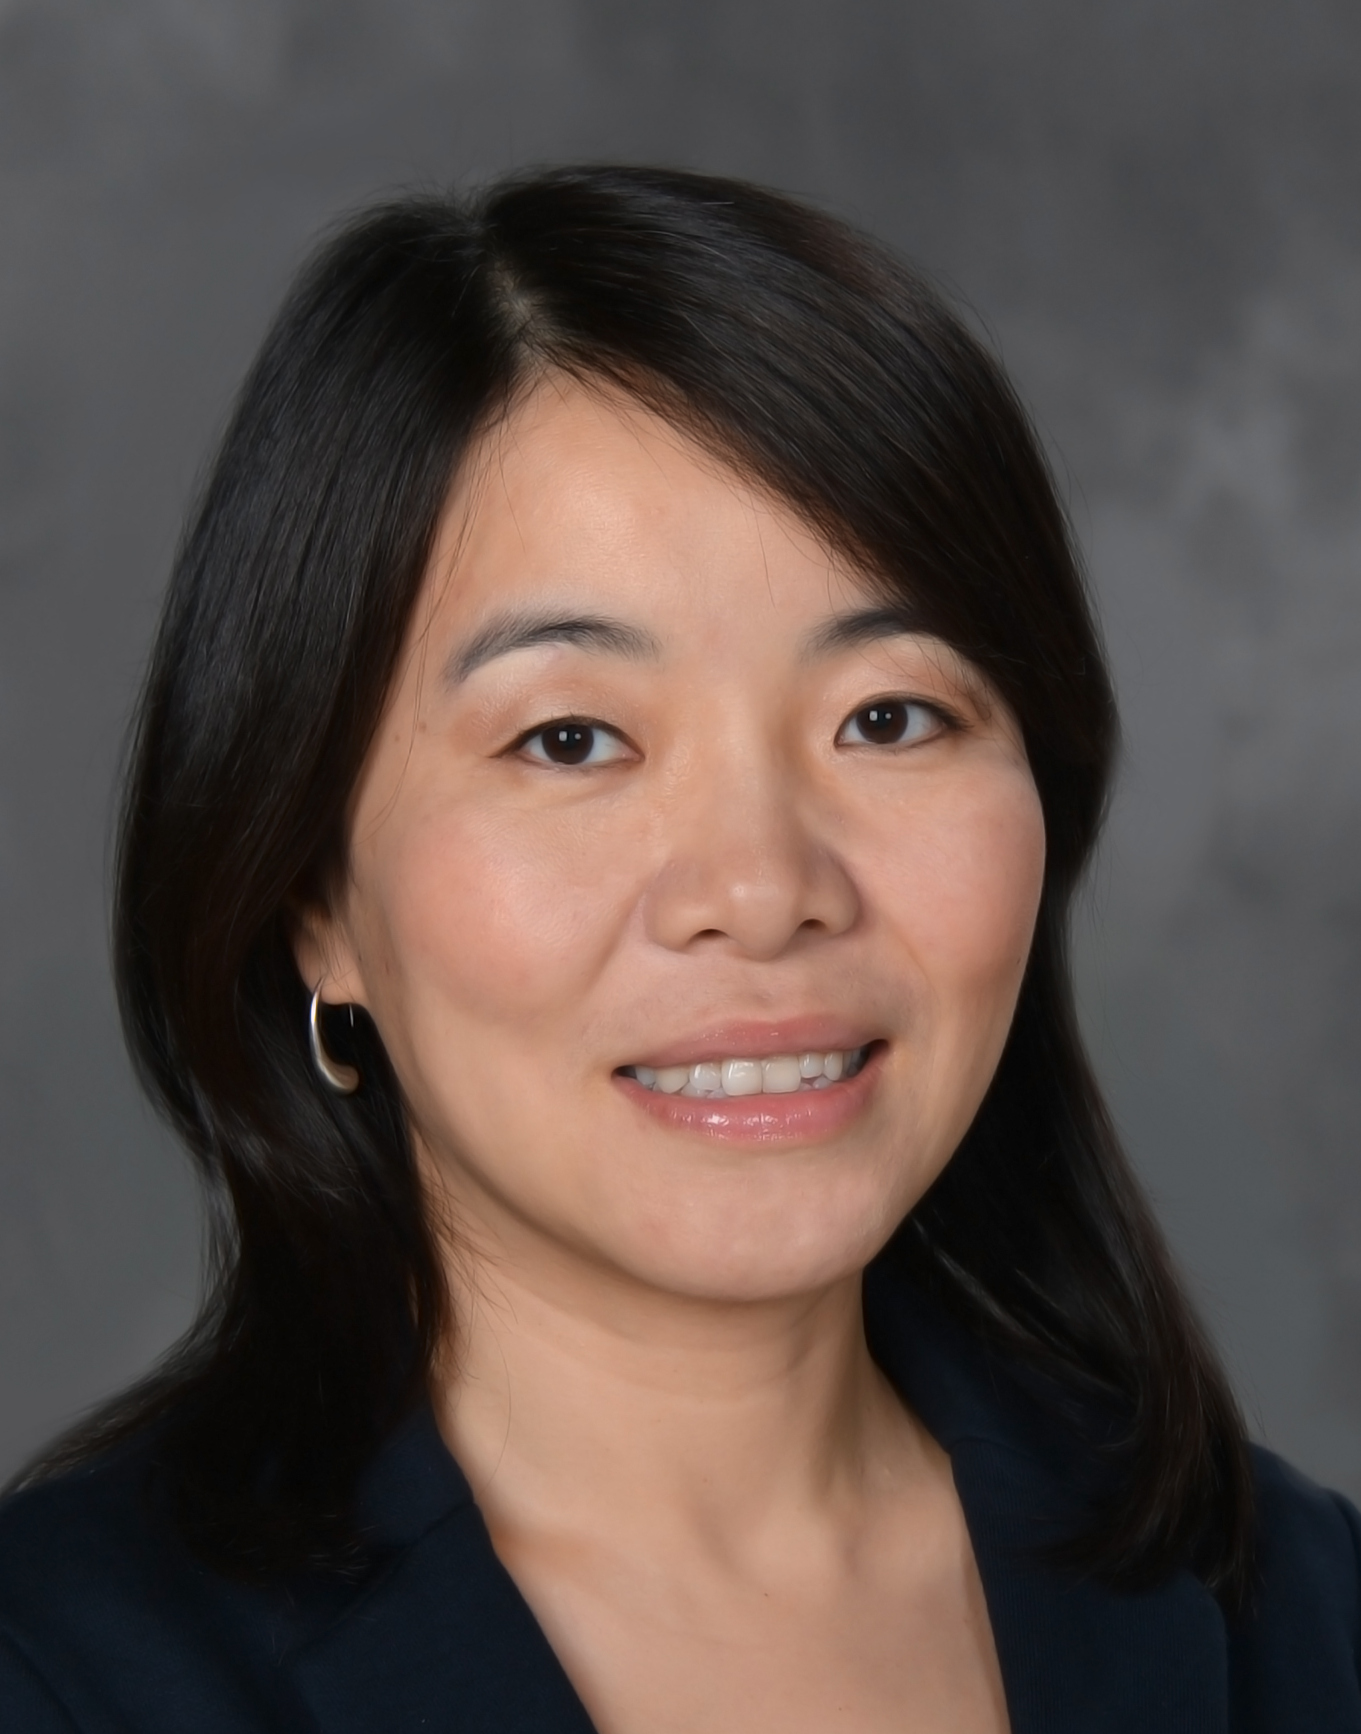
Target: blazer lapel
{"x":1076,"y":1657}
{"x":442,"y":1639}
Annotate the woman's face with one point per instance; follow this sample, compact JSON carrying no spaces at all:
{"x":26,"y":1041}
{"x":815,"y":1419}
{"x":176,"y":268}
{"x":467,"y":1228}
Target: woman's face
{"x":690,"y":892}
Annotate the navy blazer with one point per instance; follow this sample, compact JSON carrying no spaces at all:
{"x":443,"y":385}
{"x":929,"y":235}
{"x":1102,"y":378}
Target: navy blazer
{"x":108,"y":1626}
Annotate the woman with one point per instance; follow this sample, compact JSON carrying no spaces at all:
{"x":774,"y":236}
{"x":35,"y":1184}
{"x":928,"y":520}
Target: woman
{"x":623,"y":737}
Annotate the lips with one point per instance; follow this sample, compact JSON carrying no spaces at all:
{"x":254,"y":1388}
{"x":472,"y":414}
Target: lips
{"x":812,"y":1111}
{"x":752,"y":1040}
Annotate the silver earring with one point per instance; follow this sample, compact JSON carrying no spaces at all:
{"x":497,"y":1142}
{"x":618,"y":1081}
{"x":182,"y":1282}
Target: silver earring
{"x":344,"y":1080}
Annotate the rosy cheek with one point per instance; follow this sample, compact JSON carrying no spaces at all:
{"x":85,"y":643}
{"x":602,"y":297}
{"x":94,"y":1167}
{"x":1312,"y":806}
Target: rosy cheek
{"x":502,"y":922}
{"x":967,"y":885}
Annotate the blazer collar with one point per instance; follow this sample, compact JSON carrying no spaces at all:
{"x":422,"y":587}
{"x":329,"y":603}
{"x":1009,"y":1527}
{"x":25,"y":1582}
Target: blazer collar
{"x":441,"y":1637}
{"x":1076,"y":1656}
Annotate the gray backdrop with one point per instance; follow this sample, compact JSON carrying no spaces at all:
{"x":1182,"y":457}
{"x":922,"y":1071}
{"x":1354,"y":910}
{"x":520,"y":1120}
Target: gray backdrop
{"x":1153,"y":207}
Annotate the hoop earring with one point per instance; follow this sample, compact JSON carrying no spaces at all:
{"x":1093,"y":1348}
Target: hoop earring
{"x":344,"y":1080}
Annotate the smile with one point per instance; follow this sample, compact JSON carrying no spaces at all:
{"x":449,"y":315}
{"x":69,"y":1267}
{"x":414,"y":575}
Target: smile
{"x":780,"y":1075}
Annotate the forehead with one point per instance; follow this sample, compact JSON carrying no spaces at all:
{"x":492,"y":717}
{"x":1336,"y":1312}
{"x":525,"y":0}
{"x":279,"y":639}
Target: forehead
{"x":582,"y":495}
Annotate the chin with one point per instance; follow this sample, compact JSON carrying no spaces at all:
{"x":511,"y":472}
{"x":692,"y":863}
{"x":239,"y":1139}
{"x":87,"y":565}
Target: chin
{"x":763,"y":1253}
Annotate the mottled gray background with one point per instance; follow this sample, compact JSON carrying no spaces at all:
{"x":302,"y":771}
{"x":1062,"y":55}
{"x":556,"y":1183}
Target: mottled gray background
{"x":1153,"y":206}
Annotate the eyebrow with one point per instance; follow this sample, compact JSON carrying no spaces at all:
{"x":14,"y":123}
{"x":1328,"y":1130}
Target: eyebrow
{"x":506,"y":632}
{"x":862,"y":626}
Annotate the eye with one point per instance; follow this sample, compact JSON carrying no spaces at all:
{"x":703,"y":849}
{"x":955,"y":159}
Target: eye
{"x":572,"y":741}
{"x":890,"y":722}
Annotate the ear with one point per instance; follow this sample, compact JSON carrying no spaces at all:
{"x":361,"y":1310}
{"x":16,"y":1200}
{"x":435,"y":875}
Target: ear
{"x":327,"y":956}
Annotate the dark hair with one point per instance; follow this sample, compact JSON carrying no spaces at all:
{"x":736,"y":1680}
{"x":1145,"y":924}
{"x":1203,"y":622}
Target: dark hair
{"x":824,"y":368}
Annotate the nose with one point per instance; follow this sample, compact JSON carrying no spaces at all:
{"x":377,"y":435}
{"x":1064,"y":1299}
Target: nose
{"x":749,"y":865}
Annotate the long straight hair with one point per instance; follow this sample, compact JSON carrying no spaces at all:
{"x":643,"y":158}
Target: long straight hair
{"x":823,"y":368}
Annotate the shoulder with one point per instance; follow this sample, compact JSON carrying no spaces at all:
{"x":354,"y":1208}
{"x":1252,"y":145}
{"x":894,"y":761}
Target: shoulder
{"x":108,"y":1622}
{"x":61,"y":1544}
{"x":1305,"y":1531}
{"x":1301,"y":1635}
{"x":70,"y":1543}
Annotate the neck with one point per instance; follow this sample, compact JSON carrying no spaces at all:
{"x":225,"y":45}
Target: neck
{"x":580,"y":1401}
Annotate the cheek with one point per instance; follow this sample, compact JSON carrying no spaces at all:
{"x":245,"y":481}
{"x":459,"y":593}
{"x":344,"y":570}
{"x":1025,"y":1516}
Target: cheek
{"x":500,"y":920}
{"x":962,"y":887}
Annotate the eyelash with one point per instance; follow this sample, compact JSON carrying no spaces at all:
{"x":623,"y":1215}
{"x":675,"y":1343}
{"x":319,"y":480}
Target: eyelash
{"x":946,"y":721}
{"x":586,"y":724}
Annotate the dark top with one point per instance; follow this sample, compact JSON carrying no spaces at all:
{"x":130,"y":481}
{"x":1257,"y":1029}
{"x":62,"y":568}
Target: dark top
{"x":108,"y":1626}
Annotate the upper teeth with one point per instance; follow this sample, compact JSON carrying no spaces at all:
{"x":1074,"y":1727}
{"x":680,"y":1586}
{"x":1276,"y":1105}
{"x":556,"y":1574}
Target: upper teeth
{"x":778,"y":1076}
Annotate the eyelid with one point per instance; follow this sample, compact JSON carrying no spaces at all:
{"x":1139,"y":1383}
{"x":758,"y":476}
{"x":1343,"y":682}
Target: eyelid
{"x":949,"y":721}
{"x":525,"y":736}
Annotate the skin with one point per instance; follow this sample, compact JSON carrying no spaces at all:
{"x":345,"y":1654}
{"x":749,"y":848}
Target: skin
{"x":723,"y":1517}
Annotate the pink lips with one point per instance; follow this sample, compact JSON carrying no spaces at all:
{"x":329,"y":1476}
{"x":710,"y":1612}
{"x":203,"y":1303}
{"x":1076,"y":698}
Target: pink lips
{"x":802,"y":1117}
{"x":759,"y":1041}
